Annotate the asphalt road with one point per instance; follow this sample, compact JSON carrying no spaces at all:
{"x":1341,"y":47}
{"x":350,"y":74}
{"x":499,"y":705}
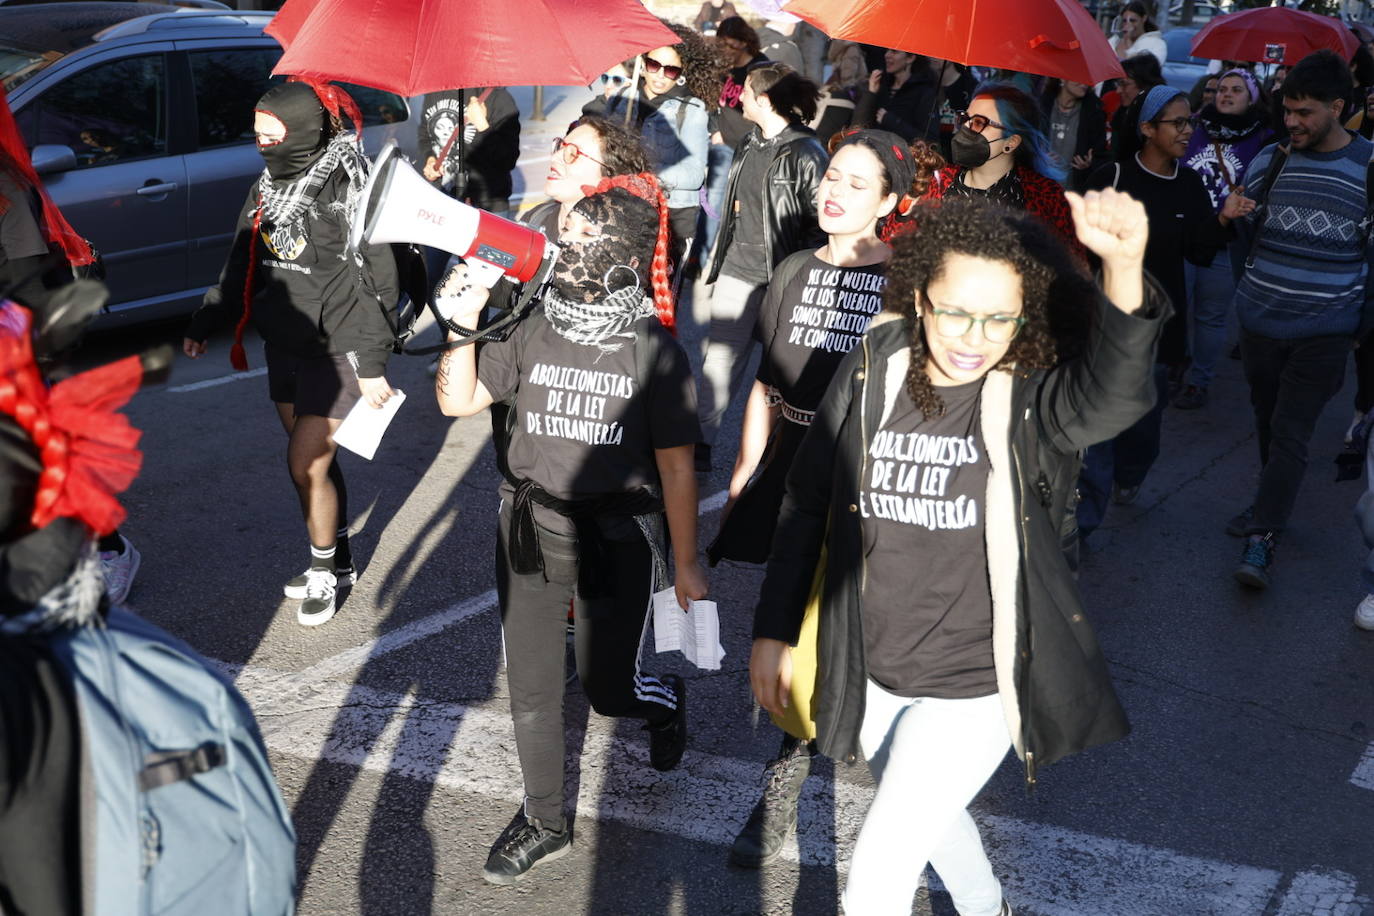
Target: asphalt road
{"x":1246,"y":788}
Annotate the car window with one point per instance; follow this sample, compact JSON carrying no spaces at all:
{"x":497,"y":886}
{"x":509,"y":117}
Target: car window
{"x":228,"y":82}
{"x":378,"y":106}
{"x":112,"y":112}
{"x":1179,"y":43}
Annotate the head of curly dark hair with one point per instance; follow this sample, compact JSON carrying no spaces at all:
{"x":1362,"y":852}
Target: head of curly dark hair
{"x":702,"y":66}
{"x":1057,"y":299}
{"x":622,"y":152}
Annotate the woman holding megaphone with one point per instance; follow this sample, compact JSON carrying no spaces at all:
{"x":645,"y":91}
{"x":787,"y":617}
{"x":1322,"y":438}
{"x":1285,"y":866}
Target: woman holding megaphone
{"x":600,"y":455}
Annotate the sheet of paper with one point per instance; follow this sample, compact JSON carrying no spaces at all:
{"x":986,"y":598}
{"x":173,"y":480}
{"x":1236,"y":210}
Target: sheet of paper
{"x":695,"y":633}
{"x":361,"y":431}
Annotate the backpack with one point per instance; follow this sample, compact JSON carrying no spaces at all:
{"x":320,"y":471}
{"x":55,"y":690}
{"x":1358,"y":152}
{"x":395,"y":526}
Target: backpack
{"x":187,"y":817}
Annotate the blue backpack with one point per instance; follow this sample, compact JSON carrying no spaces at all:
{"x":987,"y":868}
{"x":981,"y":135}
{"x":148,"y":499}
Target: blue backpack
{"x":187,"y":816}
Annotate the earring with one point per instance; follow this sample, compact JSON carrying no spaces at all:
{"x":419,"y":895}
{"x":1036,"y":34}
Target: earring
{"x":606,"y":279}
{"x":682,"y":81}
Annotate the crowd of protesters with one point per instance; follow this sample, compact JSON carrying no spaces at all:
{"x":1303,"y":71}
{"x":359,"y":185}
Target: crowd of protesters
{"x":975,"y":294}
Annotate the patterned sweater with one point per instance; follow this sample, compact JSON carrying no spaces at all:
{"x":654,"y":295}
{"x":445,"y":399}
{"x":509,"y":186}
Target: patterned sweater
{"x":1308,"y":278}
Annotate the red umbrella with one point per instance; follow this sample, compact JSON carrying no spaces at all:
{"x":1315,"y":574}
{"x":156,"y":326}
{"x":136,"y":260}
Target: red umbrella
{"x":1272,"y":35}
{"x":411,"y":47}
{"x":1048,"y":37}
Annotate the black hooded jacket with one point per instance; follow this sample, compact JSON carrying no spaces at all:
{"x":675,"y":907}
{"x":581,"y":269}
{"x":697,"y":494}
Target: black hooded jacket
{"x":1053,"y":680}
{"x":309,"y":298}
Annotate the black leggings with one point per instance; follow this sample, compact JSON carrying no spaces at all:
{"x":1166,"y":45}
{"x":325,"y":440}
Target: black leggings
{"x":609,"y":633}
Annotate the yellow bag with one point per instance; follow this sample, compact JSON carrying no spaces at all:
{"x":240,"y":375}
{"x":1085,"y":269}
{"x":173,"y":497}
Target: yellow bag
{"x":799,"y":721}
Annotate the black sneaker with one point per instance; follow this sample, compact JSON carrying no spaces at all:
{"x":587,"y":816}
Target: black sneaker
{"x":669,"y":740}
{"x":521,"y":846}
{"x":774,"y":818}
{"x":1255,"y":562}
{"x":295,"y":588}
{"x":1124,"y":496}
{"x":1239,"y":526}
{"x":318,"y":606}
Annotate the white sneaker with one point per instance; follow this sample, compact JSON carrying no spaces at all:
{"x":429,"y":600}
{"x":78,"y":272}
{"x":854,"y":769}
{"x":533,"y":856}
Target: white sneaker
{"x":318,"y":606}
{"x":119,"y":570}
{"x":1364,"y":614}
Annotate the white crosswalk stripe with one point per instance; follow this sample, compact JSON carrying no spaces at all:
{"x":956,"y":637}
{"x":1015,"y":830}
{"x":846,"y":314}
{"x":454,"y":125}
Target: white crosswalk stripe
{"x":468,"y":748}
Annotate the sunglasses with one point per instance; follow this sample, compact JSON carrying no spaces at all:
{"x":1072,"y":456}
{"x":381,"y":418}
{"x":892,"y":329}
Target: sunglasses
{"x":613,"y":80}
{"x":977,"y":123}
{"x":570,"y":151}
{"x":653,"y":66}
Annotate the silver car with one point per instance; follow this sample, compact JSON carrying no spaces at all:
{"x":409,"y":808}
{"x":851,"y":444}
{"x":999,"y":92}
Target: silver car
{"x":139,"y":118}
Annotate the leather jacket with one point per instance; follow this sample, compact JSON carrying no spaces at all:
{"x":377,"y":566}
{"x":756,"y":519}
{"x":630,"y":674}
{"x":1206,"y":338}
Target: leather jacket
{"x":789,"y":201}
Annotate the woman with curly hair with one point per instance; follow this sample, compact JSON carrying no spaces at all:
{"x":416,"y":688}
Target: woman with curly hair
{"x":600,"y":458}
{"x":934,"y":480}
{"x":1001,"y":155}
{"x":670,"y":106}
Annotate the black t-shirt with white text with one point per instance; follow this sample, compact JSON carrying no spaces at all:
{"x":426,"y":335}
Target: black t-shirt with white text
{"x":586,"y":423}
{"x":811,"y":322}
{"x":926,"y":603}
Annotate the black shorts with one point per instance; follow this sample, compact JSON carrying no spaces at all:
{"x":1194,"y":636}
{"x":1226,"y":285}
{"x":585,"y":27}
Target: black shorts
{"x":318,"y":386}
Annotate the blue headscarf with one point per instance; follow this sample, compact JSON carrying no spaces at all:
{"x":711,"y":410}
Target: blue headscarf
{"x":1155,"y":101}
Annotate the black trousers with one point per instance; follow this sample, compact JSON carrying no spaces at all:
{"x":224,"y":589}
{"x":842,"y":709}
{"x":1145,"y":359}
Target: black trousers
{"x":609,"y":635}
{"x":1290,"y":383}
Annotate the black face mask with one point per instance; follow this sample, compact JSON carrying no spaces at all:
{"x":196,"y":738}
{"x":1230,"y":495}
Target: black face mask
{"x":298,"y":108}
{"x":969,"y":149}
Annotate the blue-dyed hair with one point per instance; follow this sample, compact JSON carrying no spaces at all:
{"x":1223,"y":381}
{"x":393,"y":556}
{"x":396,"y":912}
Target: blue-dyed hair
{"x":1021,"y":116}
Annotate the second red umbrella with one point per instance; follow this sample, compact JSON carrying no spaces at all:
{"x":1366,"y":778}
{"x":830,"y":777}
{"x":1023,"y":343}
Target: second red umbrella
{"x":1045,"y":37}
{"x":1273,"y":34}
{"x":411,"y":47}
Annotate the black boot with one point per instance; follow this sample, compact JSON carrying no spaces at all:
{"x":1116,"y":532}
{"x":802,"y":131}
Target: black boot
{"x":774,"y":818}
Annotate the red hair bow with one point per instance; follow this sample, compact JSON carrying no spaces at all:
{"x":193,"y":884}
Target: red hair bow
{"x":88,"y":450}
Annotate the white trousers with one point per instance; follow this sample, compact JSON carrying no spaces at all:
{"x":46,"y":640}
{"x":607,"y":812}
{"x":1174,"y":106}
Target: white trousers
{"x":930,"y":758}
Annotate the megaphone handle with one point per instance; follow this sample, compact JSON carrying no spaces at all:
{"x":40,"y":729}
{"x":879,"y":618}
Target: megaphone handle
{"x":484,"y":272}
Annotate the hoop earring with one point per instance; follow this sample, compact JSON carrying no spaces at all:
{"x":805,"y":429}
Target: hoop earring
{"x":606,"y":279}
{"x":682,"y":81}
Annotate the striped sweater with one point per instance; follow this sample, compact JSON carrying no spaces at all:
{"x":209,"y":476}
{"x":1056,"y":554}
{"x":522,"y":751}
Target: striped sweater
{"x":1308,"y":278}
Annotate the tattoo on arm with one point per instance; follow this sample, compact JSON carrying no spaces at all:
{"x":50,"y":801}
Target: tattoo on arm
{"x":442,"y":374}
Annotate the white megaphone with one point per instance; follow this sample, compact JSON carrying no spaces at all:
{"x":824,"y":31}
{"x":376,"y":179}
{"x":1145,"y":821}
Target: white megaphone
{"x":400,"y":206}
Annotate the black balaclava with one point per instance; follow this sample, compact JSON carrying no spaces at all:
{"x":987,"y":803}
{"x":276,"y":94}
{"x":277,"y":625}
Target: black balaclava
{"x":298,"y":108}
{"x":589,"y":271}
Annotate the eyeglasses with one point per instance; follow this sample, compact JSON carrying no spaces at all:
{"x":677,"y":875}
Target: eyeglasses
{"x":1179,"y":124}
{"x":613,"y":80}
{"x":977,"y":123}
{"x":570,"y":151}
{"x":653,"y":66}
{"x":996,"y":328}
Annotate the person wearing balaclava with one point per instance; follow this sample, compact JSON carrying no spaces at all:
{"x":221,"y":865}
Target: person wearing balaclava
{"x":599,"y":457}
{"x":322,"y":316}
